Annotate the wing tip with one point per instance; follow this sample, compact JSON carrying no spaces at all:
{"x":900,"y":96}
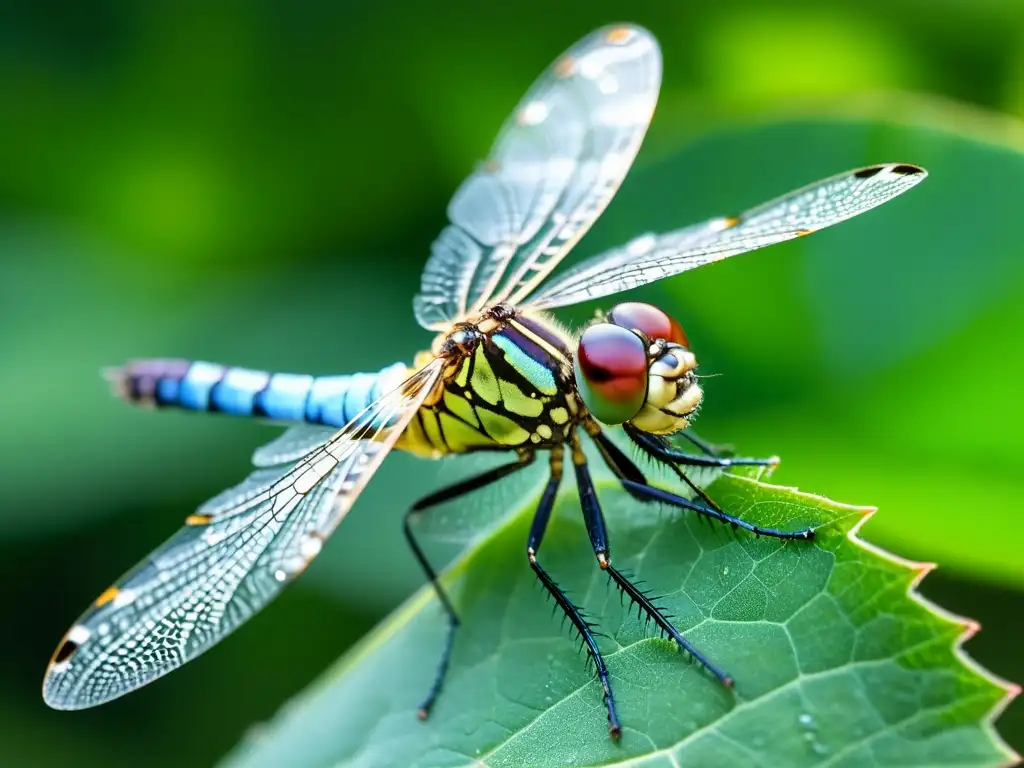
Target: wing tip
{"x":53,"y":701}
{"x":622,"y":32}
{"x":53,"y":696}
{"x":897,"y":169}
{"x":909,"y":169}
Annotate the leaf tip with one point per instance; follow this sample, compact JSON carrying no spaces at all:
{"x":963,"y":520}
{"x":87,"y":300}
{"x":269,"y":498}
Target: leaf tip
{"x":971,"y":628}
{"x":920,"y":569}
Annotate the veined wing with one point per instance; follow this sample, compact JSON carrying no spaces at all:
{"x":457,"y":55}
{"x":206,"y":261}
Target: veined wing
{"x":292,"y":444}
{"x":556,"y":164}
{"x":233,"y":555}
{"x":806,"y":210}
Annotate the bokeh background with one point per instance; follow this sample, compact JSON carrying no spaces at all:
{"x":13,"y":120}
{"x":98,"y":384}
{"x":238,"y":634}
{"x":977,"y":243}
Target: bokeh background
{"x":258,"y":183}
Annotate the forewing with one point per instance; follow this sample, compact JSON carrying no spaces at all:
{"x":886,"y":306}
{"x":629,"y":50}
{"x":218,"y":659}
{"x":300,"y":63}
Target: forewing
{"x":233,"y":555}
{"x":292,"y":444}
{"x":806,"y":210}
{"x":556,"y":164}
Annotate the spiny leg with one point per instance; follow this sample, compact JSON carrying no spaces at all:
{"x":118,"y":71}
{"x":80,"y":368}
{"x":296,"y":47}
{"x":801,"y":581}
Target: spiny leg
{"x":447,"y":494}
{"x":705,"y":446}
{"x":625,"y":469}
{"x":537,"y":528}
{"x":646,"y":492}
{"x":593,"y":517}
{"x":661,"y":451}
{"x":659,"y":448}
{"x":617,"y":461}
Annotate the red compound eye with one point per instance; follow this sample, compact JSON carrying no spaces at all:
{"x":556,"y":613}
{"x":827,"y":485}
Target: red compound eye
{"x":652,"y":321}
{"x":611,"y":372}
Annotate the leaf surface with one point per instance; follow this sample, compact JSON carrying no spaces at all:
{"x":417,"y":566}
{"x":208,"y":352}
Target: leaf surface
{"x":837,"y":662}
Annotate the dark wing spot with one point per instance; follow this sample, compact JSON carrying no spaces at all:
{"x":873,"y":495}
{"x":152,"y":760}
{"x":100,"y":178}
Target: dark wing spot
{"x":65,"y":652}
{"x":907,"y":170}
{"x":867,"y":173}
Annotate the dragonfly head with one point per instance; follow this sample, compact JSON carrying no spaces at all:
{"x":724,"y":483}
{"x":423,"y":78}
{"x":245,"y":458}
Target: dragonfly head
{"x":460,"y":342}
{"x":634,"y":365}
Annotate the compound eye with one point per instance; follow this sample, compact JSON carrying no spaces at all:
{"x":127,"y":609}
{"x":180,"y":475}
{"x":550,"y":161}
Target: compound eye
{"x":611,"y":372}
{"x":655,"y":323}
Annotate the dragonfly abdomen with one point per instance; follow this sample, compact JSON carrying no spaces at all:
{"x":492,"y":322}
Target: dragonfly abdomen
{"x":195,"y":385}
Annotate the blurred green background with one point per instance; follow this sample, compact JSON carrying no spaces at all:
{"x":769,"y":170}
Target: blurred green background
{"x":258,"y":183}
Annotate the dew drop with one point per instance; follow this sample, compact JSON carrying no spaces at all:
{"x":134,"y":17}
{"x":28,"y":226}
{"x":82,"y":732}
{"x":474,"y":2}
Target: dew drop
{"x":806,"y":720}
{"x":818,"y":748}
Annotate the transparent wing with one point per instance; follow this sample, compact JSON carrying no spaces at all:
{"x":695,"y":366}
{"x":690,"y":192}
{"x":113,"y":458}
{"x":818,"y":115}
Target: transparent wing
{"x":292,"y":444}
{"x":806,"y":210}
{"x":233,"y":555}
{"x":556,"y":164}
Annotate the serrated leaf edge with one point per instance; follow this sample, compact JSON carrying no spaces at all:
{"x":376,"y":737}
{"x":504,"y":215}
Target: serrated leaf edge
{"x":424,"y":596}
{"x":970,"y":629}
{"x":921,"y":569}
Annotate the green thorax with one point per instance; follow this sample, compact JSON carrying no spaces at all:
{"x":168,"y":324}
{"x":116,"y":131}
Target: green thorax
{"x":515,"y":389}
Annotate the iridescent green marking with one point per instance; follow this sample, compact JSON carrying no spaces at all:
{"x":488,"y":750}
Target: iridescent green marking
{"x":515,"y":401}
{"x":503,"y":429}
{"x":537,"y":374}
{"x":460,"y":407}
{"x":484,"y":382}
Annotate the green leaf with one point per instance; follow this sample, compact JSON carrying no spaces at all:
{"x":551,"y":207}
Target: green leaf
{"x":836,"y":660}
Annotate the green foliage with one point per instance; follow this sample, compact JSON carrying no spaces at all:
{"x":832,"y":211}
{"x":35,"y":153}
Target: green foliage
{"x":224,"y":181}
{"x":872,"y":356}
{"x":836,"y":660}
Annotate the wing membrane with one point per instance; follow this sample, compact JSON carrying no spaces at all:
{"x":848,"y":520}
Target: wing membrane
{"x":556,"y":164}
{"x":292,"y":444}
{"x":653,"y":257}
{"x":233,"y":555}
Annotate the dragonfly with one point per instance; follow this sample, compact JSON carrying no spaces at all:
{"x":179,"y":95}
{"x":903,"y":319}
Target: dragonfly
{"x":500,"y":375}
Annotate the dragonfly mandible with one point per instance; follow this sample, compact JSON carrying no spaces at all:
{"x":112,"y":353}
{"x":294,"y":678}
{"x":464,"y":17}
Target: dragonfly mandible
{"x":501,"y":374}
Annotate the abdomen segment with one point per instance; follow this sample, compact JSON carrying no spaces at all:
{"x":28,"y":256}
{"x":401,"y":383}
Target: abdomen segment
{"x":201,"y":386}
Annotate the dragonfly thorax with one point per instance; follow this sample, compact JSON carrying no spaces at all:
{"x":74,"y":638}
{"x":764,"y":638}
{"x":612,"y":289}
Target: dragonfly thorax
{"x":508,"y":382}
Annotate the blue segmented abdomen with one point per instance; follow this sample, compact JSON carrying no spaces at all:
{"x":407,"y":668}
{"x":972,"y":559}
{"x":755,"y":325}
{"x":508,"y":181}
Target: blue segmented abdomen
{"x":201,"y":386}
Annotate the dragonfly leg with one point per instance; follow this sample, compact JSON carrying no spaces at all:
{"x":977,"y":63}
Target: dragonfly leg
{"x":641,"y":490}
{"x":438,"y":497}
{"x":594,"y":519}
{"x":705,"y":446}
{"x":537,"y":528}
{"x":659,"y":448}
